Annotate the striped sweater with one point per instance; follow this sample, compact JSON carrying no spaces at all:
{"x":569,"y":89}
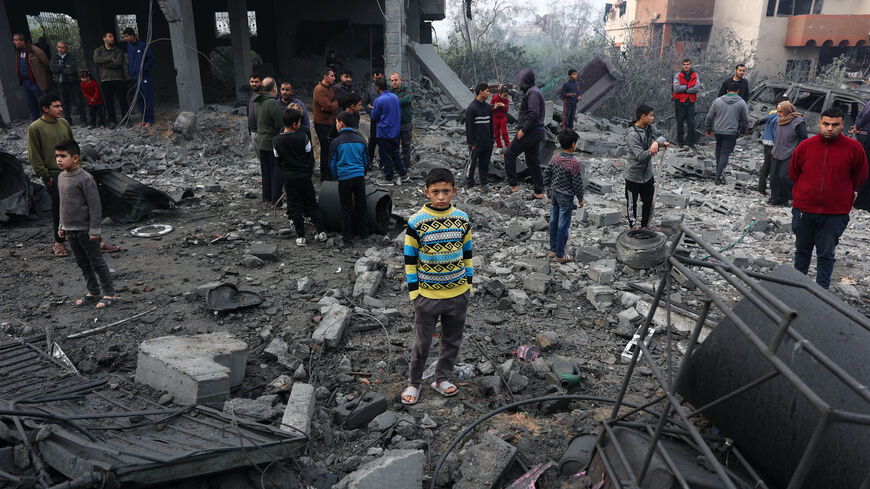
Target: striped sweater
{"x":438,"y":253}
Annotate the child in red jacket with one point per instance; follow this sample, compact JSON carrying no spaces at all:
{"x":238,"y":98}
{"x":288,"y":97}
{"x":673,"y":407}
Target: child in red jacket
{"x":91,"y":92}
{"x":499,"y":104}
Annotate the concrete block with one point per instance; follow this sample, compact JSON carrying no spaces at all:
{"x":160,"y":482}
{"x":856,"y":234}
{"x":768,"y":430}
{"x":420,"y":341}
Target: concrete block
{"x":519,"y":297}
{"x":537,"y":282}
{"x":670,"y":199}
{"x":331,"y":327}
{"x":396,"y":469}
{"x":299,"y":410}
{"x":264,"y":251}
{"x":367,"y":283}
{"x":194,"y":369}
{"x":600,"y":296}
{"x":358,"y":412}
{"x":365,"y":264}
{"x":603,"y":271}
{"x":588,"y":254}
{"x":628,"y":317}
{"x":598,"y":186}
{"x":305,"y":285}
{"x":185,"y":123}
{"x":484,"y":462}
{"x":278,"y":351}
{"x":605,"y":217}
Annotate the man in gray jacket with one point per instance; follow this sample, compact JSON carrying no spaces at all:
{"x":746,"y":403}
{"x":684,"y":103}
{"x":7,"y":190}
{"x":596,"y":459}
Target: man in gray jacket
{"x":643,"y":141}
{"x":728,"y":118}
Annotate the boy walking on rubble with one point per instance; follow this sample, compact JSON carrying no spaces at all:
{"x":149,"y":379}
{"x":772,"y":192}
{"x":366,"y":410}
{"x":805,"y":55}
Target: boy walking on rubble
{"x":643,"y":141}
{"x":439,"y":272}
{"x":563,"y":178}
{"x":80,"y":216}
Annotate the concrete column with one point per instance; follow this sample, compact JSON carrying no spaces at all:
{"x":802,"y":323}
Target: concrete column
{"x":179,"y":16}
{"x":12,"y":106}
{"x":88,"y":16}
{"x":240,"y":35}
{"x":286,"y":20}
{"x":394,"y":34}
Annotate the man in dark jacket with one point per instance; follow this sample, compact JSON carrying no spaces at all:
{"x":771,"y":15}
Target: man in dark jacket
{"x":140,"y":60}
{"x":369,"y":101}
{"x":32,"y":68}
{"x":643,"y":141}
{"x":64,"y":71}
{"x":530,"y":135}
{"x":861,"y":129}
{"x":113,"y":81}
{"x":270,"y":122}
{"x":686,"y":89}
{"x":737,"y":77}
{"x":478,"y":132}
{"x":570,"y":95}
{"x":288,"y":100}
{"x":826,"y":170}
{"x":406,"y":129}
{"x":254,"y":81}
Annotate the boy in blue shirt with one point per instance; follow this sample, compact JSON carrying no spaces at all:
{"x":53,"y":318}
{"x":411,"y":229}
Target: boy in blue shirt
{"x":570,"y":95}
{"x":348,"y":162}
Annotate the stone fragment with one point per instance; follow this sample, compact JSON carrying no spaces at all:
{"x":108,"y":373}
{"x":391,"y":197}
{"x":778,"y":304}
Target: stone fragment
{"x":588,"y":254}
{"x":490,"y":385}
{"x":547,"y":339}
{"x":600,"y":296}
{"x":484,"y":462}
{"x":628,"y":299}
{"x":367,"y":283}
{"x":194,"y":369}
{"x":299,"y":410}
{"x":537,"y":282}
{"x":517,"y":382}
{"x":495,"y":287}
{"x":281,"y":384}
{"x":358,"y":412}
{"x":603,"y":271}
{"x":251,"y":261}
{"x":305,"y":285}
{"x":396,"y":469}
{"x":365,"y":264}
{"x":259,"y":409}
{"x":264,"y":251}
{"x":185,"y":124}
{"x":277,"y":350}
{"x":332,"y":326}
{"x":519,"y":297}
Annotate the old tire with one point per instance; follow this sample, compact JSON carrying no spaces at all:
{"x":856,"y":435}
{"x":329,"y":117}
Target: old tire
{"x":641,"y":248}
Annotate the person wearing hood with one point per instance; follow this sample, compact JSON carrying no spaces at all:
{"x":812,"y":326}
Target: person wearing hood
{"x":32,"y":68}
{"x":270,"y":121}
{"x":727,"y":118}
{"x":791,"y":130}
{"x":529,"y":137}
{"x":686,"y":88}
{"x":826,"y":170}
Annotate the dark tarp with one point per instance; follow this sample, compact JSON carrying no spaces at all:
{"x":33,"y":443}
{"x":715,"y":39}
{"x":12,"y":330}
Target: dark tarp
{"x":18,"y":195}
{"x":125,"y":199}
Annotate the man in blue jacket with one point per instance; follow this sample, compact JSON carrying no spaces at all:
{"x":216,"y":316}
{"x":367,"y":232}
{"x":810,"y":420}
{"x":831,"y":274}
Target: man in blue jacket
{"x":570,"y":95}
{"x":348,"y":162}
{"x":140,"y":60}
{"x":529,"y":137}
{"x":387,"y":115}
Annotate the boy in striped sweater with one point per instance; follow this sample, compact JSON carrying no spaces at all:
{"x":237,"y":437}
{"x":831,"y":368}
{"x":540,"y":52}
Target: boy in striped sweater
{"x":439,"y":273}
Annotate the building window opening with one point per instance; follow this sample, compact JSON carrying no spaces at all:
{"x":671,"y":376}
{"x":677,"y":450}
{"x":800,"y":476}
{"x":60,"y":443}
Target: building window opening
{"x":222,"y":23}
{"x":124,"y":21}
{"x":771,"y":7}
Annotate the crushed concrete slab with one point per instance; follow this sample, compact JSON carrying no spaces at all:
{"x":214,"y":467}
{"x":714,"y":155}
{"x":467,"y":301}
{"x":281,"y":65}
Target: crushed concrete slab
{"x":367,"y":283}
{"x":194,"y":369}
{"x":446,"y":79}
{"x":332,"y":326}
{"x":519,"y":297}
{"x":264,"y":251}
{"x":358,"y":412}
{"x":396,"y":469}
{"x":484,"y":462}
{"x":299,"y":410}
{"x":600,"y":296}
{"x":603,"y":271}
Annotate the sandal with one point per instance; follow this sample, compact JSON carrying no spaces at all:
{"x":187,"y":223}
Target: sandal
{"x":107,"y":248}
{"x":443,"y":386}
{"x":410,"y":391}
{"x":58,"y":249}
{"x":86,"y":299}
{"x":510,"y":190}
{"x":564,"y":259}
{"x":107,"y":302}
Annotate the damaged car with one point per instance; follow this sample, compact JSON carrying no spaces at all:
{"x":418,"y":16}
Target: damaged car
{"x":810,"y":100}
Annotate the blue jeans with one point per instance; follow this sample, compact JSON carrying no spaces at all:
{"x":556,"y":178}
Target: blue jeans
{"x":390,"y":157}
{"x":570,"y":113}
{"x":821,"y":231}
{"x":724,"y":146}
{"x":32,"y":94}
{"x":560,"y":222}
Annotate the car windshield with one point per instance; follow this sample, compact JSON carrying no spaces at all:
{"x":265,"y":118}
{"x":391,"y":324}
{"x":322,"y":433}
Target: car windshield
{"x":809,"y":100}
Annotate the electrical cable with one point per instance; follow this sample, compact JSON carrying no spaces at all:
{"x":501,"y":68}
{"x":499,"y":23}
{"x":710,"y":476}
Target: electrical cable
{"x":732,"y":245}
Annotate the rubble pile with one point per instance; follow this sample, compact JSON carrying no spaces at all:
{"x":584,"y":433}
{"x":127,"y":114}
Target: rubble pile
{"x":327,"y":347}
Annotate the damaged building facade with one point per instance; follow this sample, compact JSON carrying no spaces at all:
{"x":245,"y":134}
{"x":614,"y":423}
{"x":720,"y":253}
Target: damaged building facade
{"x":289,"y":39}
{"x":792,"y":36}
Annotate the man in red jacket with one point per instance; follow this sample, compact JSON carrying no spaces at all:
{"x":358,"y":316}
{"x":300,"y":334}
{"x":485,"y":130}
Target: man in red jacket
{"x":826,"y":170}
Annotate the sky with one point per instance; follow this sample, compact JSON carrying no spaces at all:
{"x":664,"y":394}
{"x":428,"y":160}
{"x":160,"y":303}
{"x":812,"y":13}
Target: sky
{"x":442,"y":27}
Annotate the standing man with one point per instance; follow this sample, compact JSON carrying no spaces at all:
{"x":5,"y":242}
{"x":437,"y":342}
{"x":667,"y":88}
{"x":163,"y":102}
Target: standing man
{"x":46,"y":131}
{"x":737,"y":77}
{"x":728,"y":118}
{"x":64,"y":71}
{"x":529,"y":137}
{"x":254,"y":82}
{"x":370,"y":96}
{"x":405,"y":132}
{"x":387,"y":115}
{"x":826,"y":170}
{"x":32,"y":69}
{"x":342,"y":89}
{"x":570,"y":95}
{"x":478,"y":132}
{"x":686,"y":88}
{"x":140,"y":60}
{"x":288,"y":100}
{"x":643,"y":141}
{"x":270,"y":122}
{"x":110,"y":59}
{"x":324,"y":109}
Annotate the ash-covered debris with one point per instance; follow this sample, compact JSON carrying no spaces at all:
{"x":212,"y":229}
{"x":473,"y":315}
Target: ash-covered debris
{"x":327,"y":349}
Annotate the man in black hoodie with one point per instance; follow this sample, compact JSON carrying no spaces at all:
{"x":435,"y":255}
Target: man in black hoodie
{"x":478,"y":131}
{"x":530,"y":135}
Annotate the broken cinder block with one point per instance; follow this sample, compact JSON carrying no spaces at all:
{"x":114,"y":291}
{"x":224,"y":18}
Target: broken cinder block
{"x":299,"y":410}
{"x":332,"y":326}
{"x":367,"y":283}
{"x":358,"y":412}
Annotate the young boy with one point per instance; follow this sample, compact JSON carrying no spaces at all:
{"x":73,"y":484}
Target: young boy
{"x":292,"y":149}
{"x":499,"y":104}
{"x":564,"y":179}
{"x":348,"y":162}
{"x":570,"y":95}
{"x":80,"y":218}
{"x":91,"y":92}
{"x":643,"y":141}
{"x":439,"y":273}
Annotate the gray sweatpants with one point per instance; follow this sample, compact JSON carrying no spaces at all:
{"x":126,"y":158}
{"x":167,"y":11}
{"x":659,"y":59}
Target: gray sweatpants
{"x":426,"y":313}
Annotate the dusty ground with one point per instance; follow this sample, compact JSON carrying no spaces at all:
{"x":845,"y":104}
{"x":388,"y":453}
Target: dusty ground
{"x":40,"y":290}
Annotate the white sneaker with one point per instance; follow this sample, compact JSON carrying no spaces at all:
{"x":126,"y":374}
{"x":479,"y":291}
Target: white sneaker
{"x":321,"y":237}
{"x":398,"y":180}
{"x":300,"y":241}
